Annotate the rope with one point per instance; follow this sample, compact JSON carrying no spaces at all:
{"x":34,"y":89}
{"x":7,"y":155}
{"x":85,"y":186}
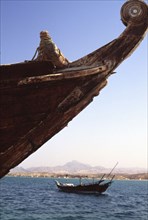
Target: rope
{"x":48,"y":51}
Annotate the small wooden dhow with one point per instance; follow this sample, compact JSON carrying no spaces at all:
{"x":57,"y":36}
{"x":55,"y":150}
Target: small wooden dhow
{"x":95,"y":187}
{"x":38,"y":98}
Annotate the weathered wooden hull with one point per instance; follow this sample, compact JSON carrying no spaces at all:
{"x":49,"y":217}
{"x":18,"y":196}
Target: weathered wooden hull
{"x":37,"y":100}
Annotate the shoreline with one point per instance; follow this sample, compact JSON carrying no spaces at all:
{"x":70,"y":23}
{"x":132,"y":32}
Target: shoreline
{"x":139,"y":176}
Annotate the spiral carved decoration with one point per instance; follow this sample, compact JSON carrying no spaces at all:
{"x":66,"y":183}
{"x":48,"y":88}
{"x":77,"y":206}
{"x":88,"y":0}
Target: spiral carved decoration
{"x":134,"y":12}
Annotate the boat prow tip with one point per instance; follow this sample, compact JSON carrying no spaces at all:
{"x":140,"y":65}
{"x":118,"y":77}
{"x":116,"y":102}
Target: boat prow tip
{"x":134,"y":12}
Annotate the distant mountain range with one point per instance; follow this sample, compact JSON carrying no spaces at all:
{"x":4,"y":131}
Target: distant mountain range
{"x":75,"y":167}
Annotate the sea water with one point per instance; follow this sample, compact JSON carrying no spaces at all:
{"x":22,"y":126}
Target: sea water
{"x":23,"y":198}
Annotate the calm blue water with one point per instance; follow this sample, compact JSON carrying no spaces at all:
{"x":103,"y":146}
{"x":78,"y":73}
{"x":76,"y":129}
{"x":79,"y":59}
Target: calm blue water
{"x":38,"y":199}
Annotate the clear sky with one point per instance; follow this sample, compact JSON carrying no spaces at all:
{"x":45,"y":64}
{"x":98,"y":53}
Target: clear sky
{"x":114,"y":126}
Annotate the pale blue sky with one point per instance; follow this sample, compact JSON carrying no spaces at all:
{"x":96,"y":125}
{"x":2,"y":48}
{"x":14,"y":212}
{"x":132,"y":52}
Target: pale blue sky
{"x":114,"y":126}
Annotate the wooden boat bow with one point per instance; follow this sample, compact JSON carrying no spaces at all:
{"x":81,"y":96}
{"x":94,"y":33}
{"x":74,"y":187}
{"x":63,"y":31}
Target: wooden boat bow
{"x":39,"y":98}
